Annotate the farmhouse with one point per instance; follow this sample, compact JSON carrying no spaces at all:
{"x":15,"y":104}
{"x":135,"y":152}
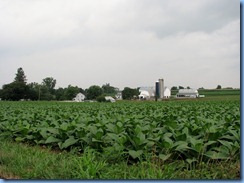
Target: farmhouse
{"x":187,"y":93}
{"x":79,"y":97}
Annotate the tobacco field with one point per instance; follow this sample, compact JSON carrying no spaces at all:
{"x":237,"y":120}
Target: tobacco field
{"x":187,"y":130}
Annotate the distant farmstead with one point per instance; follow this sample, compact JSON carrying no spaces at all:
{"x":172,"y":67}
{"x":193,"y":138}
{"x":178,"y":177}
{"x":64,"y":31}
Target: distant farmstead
{"x":187,"y":93}
{"x":79,"y":97}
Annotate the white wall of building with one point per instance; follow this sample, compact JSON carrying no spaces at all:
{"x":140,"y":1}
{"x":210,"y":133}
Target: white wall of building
{"x":79,"y":97}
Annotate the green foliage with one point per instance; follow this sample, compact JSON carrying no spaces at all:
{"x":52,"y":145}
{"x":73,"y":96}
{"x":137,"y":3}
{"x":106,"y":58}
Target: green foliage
{"x":71,"y":92}
{"x":20,"y":76}
{"x":108,"y":90}
{"x":192,"y":131}
{"x":219,"y":87}
{"x":93,"y":92}
{"x":14,"y":91}
{"x":174,"y":88}
{"x":101,"y":98}
{"x":50,"y":83}
{"x":129,"y":93}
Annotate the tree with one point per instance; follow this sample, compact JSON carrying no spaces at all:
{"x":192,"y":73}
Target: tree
{"x":219,"y":87}
{"x":109,"y":90}
{"x":71,"y":92}
{"x":15,"y":91}
{"x":34,"y":90}
{"x":93,"y":92}
{"x":129,"y":93}
{"x":188,"y":87}
{"x":50,"y":83}
{"x":181,"y":87}
{"x":174,"y":88}
{"x":20,"y":76}
{"x":59,"y":93}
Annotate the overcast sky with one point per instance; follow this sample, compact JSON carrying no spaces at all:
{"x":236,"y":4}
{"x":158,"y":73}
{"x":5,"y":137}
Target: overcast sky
{"x":130,"y":43}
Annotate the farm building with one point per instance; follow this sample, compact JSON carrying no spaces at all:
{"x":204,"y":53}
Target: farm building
{"x":167,"y":92}
{"x":146,"y":92}
{"x":161,"y":91}
{"x":118,"y":96}
{"x":144,"y":95}
{"x":79,"y":97}
{"x":187,"y":93}
{"x":150,"y":92}
{"x":109,"y":98}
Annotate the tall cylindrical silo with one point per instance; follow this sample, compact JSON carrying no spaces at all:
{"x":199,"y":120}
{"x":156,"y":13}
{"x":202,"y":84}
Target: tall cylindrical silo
{"x":161,"y":88}
{"x":157,"y":92}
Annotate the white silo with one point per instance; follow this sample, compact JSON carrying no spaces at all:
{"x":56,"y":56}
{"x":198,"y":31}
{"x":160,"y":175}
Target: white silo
{"x":161,"y":88}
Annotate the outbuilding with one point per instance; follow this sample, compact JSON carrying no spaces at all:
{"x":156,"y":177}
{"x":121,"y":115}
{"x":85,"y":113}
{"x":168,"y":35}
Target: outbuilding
{"x":187,"y":93}
{"x":109,"y":98}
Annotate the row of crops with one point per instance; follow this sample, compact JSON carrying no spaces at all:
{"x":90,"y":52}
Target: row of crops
{"x":192,"y":130}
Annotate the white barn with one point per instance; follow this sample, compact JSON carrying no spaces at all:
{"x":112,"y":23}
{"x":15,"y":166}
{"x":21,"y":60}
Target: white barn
{"x":149,"y":92}
{"x":144,"y":95}
{"x":79,"y":97}
{"x":167,"y":92}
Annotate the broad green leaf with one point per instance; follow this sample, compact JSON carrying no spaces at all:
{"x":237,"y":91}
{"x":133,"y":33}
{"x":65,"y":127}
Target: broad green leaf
{"x":226,"y":144}
{"x":235,"y":134}
{"x":190,"y":161}
{"x":64,"y":126}
{"x":53,"y":131}
{"x":113,"y":136}
{"x":69,"y":142}
{"x":164,"y":157}
{"x":135,"y":154}
{"x":150,"y":144}
{"x":216,"y":155}
{"x":181,"y":146}
{"x":43,"y":133}
{"x":111,"y":127}
{"x":19,"y":139}
{"x":52,"y":139}
{"x":93,"y":129}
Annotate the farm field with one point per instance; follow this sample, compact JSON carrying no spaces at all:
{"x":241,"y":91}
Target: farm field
{"x":187,"y":136}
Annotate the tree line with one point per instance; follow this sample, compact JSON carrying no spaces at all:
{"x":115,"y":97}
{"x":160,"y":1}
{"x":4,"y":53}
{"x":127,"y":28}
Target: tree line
{"x":20,"y":89}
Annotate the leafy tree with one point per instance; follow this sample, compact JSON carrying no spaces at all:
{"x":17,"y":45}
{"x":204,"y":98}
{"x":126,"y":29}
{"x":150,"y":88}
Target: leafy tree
{"x":109,"y":90}
{"x":181,"y":87}
{"x":71,"y":92}
{"x":15,"y":91}
{"x":188,"y":87}
{"x":50,"y":83}
{"x":129,"y":93}
{"x":59,"y":93}
{"x":44,"y":93}
{"x":101,"y":98}
{"x":34,"y":91}
{"x":219,"y":87}
{"x":20,"y":76}
{"x":93,"y":92}
{"x":174,"y":88}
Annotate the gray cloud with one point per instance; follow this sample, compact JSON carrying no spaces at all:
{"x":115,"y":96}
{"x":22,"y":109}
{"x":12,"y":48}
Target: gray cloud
{"x":123,"y":42}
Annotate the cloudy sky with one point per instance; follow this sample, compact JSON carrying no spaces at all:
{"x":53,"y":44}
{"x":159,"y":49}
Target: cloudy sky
{"x":130,"y":43}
